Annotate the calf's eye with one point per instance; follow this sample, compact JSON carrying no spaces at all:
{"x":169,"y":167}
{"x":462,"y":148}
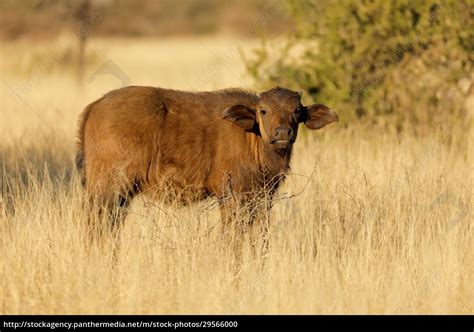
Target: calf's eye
{"x":263,"y":112}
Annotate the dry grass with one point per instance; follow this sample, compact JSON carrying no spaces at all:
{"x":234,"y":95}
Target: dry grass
{"x":382,"y":224}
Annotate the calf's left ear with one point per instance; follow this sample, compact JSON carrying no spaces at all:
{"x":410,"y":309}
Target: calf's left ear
{"x":241,"y":116}
{"x":317,"y":116}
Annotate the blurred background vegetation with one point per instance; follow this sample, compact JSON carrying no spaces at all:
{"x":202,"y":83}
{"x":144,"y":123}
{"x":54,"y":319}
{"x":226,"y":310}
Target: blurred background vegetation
{"x":411,"y":61}
{"x":48,"y":18}
{"x":398,"y":61}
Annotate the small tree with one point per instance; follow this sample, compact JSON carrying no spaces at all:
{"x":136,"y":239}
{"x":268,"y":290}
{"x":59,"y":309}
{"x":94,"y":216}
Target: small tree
{"x":81,"y":14}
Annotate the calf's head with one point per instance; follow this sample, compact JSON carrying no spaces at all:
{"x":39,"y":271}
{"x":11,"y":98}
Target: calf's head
{"x":277,"y":115}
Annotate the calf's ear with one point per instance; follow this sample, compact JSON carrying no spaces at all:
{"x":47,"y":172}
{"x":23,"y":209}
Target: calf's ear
{"x":241,"y":116}
{"x":317,"y":116}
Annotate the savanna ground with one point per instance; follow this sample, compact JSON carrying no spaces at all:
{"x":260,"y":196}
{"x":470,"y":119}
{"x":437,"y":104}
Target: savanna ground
{"x":370,"y":220}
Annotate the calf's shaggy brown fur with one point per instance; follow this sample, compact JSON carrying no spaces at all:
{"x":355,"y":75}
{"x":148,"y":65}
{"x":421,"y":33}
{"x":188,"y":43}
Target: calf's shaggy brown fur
{"x":232,"y":144}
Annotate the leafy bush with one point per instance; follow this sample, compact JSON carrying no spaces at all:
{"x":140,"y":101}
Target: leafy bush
{"x":402,"y":58}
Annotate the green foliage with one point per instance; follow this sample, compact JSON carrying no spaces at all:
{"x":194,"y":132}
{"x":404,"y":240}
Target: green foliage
{"x":350,"y":54}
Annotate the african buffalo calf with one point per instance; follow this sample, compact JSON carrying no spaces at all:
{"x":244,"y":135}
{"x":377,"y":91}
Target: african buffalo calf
{"x":233,"y":145}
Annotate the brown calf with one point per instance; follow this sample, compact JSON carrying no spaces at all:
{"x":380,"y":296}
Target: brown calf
{"x":231,"y":144}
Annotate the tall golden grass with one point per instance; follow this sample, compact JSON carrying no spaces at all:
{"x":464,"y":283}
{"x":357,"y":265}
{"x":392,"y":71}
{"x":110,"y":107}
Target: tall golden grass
{"x":379,"y":221}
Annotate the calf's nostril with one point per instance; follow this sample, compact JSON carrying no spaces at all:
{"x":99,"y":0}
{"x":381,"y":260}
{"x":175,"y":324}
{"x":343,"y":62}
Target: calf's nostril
{"x":283,"y":132}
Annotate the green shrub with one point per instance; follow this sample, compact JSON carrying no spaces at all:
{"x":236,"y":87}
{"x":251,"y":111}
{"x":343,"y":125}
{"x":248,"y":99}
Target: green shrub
{"x":366,"y":58}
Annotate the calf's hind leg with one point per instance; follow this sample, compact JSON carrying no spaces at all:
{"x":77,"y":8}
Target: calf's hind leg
{"x":109,"y":200}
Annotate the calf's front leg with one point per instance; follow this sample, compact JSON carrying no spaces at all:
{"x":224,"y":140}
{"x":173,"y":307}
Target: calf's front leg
{"x":260,"y":225}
